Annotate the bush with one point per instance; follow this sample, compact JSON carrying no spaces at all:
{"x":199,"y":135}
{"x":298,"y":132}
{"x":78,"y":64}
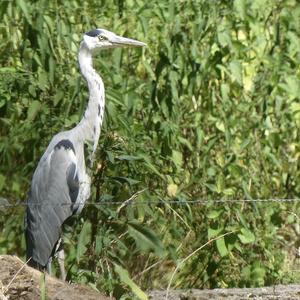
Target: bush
{"x":210,"y":110}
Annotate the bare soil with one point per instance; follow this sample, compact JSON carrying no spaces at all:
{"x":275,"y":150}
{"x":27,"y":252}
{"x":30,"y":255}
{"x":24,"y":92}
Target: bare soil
{"x":19,"y":281}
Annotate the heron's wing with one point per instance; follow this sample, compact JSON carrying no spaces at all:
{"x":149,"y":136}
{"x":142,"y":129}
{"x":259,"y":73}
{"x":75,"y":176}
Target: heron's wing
{"x":54,"y":190}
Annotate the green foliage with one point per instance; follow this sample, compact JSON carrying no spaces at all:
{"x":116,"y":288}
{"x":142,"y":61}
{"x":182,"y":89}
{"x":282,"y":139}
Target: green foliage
{"x":124,"y":276}
{"x":210,"y":110}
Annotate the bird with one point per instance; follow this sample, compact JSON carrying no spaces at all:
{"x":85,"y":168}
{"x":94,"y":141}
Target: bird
{"x":60,"y":184}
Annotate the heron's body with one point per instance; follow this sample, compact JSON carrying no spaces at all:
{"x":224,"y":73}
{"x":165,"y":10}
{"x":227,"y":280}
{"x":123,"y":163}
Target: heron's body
{"x":60,"y":184}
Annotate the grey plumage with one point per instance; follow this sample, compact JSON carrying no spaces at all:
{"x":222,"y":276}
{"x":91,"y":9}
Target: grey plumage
{"x":54,"y":196}
{"x":60,"y":184}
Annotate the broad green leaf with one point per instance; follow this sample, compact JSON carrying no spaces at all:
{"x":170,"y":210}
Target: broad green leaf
{"x":241,"y":218}
{"x":295,"y":108}
{"x":240,"y":6}
{"x":229,"y":191}
{"x":43,"y":80}
{"x":221,"y":246}
{"x":32,"y":90}
{"x":125,"y":278}
{"x":148,"y":69}
{"x":24,"y":6}
{"x":211,"y":187}
{"x":33,"y":109}
{"x":224,"y":37}
{"x":214,"y":230}
{"x":246,"y":236}
{"x":145,"y":238}
{"x":186,"y":143}
{"x":83,"y":240}
{"x":236,"y":71}
{"x":58,"y":97}
{"x":8,"y":70}
{"x":214,"y":214}
{"x":177,"y":158}
{"x":292,"y":86}
{"x":99,"y":245}
{"x":110,"y":156}
{"x":225,"y":90}
{"x":220,"y":125}
{"x":150,"y":165}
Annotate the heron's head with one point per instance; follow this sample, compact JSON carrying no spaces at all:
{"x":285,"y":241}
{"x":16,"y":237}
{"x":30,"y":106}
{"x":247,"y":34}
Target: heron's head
{"x":98,"y":39}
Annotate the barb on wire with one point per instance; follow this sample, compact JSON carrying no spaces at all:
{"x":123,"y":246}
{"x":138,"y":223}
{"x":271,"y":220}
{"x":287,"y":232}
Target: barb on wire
{"x":130,"y":202}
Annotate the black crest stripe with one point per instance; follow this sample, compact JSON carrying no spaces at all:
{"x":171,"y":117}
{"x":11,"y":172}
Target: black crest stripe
{"x":93,"y":33}
{"x":67,"y":144}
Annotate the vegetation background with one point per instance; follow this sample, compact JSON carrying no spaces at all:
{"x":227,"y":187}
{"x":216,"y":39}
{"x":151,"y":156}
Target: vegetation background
{"x":209,"y":110}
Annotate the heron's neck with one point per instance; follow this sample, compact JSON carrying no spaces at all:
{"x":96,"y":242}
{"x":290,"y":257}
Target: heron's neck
{"x":89,"y":127}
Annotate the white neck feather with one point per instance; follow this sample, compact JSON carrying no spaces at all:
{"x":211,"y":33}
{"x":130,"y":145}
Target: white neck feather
{"x":90,"y":125}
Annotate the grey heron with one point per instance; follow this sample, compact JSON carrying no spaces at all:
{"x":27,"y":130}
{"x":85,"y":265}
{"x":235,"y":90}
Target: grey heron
{"x":60,"y":184}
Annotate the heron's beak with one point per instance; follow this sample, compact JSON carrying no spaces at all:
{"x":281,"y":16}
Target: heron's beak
{"x":122,"y":41}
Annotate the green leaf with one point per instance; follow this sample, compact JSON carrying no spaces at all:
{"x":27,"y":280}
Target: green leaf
{"x":220,"y":125}
{"x":125,"y":278}
{"x":99,"y":245}
{"x":225,"y":90}
{"x":224,"y":37}
{"x":246,"y":236}
{"x":83,"y":240}
{"x":236,"y":71}
{"x":145,"y":238}
{"x":149,"y":69}
{"x":177,"y":158}
{"x":58,"y":97}
{"x":151,"y":166}
{"x":8,"y":70}
{"x":23,"y":5}
{"x":240,"y":6}
{"x":2,"y":181}
{"x":212,"y":187}
{"x":128,"y":157}
{"x":241,"y":218}
{"x":221,"y":246}
{"x":43,"y":80}
{"x":32,"y":90}
{"x":292,"y":86}
{"x":214,"y":214}
{"x":185,"y":142}
{"x":220,"y":183}
{"x":33,"y":109}
{"x":214,"y":230}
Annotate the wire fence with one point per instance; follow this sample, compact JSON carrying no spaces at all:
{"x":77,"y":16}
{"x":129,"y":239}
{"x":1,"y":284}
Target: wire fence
{"x":4,"y":203}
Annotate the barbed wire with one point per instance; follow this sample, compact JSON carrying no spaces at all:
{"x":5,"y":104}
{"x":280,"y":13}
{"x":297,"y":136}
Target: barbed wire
{"x":4,"y":203}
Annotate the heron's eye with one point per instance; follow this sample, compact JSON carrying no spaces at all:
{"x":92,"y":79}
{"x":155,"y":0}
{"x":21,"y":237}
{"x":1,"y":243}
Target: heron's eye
{"x":101,"y":38}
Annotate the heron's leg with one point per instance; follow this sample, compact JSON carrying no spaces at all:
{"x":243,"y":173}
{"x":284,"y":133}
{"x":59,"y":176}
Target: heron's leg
{"x":61,"y":262}
{"x":48,"y":266}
